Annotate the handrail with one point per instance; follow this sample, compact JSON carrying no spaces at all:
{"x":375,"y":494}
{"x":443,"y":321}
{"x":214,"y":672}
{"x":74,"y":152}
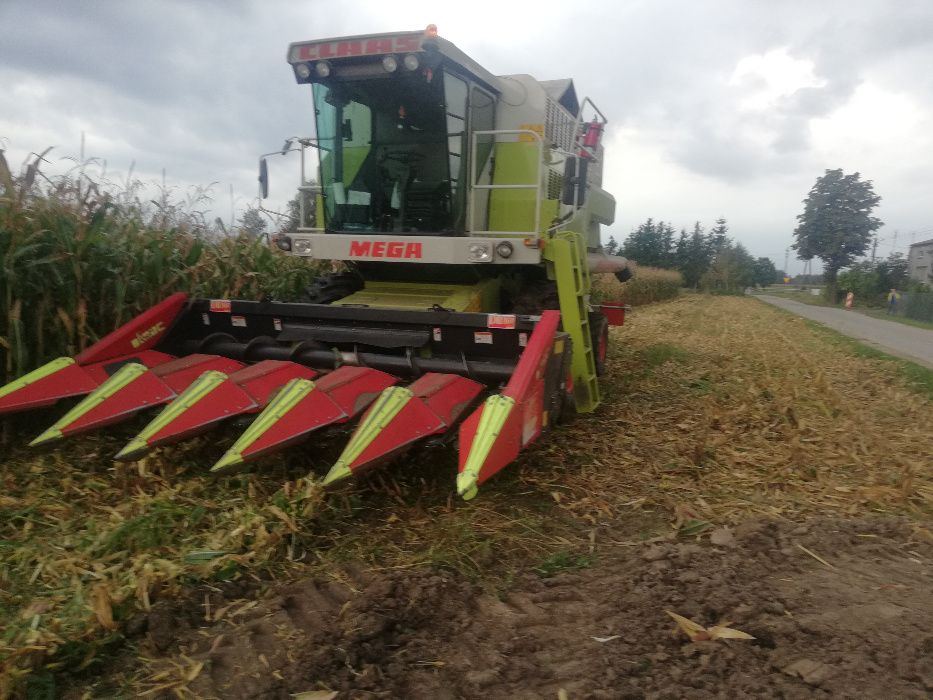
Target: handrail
{"x":529,"y":186}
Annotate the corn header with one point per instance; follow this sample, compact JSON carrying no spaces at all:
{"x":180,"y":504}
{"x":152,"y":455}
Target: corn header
{"x":465,"y":209}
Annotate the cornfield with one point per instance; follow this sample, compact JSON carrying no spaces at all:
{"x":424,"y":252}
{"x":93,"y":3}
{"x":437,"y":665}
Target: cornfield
{"x":649,"y":284}
{"x":79,"y":258}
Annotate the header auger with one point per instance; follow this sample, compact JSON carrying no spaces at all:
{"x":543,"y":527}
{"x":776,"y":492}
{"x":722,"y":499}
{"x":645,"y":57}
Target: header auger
{"x":466,"y":209}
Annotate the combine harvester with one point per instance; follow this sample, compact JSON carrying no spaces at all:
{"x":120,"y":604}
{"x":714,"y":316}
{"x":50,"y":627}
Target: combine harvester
{"x":467,"y":208}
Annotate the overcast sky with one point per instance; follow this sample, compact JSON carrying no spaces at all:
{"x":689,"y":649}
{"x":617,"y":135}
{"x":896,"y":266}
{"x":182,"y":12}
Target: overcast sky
{"x":717,"y":108}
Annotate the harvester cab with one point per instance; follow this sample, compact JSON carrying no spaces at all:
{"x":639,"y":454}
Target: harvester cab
{"x":465,"y":209}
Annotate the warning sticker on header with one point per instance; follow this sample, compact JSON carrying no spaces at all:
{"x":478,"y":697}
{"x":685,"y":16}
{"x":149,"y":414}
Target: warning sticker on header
{"x":500,"y":321}
{"x":239,"y":321}
{"x":221,"y":306}
{"x":482,"y":337}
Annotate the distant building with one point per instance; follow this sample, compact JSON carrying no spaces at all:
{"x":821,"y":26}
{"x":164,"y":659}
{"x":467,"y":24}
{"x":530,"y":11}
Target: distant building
{"x":920,"y":261}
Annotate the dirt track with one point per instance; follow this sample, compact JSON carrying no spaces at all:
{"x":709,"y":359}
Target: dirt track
{"x":858,"y":625}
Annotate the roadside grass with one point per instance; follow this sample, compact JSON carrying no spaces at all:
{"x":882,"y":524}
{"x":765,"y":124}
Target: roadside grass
{"x":882,"y":314}
{"x":715,"y":409}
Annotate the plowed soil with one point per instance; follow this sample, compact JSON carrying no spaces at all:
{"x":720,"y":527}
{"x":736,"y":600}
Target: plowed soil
{"x":859,"y":623}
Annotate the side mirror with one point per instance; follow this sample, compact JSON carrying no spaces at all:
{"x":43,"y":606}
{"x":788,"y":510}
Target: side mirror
{"x":263,"y":178}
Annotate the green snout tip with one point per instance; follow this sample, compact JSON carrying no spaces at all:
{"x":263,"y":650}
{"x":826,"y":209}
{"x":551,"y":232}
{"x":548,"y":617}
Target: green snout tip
{"x":338,"y":472}
{"x":134,"y":449}
{"x":50,"y":435}
{"x":466,"y":486}
{"x":227,"y":462}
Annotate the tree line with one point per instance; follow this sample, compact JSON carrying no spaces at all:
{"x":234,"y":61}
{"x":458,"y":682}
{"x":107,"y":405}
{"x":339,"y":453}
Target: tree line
{"x":707,"y":260}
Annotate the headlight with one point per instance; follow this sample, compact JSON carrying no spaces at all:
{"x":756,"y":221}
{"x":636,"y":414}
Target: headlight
{"x":390,"y":63}
{"x":504,"y":249}
{"x":480,"y":252}
{"x":322,"y":68}
{"x":303,"y":70}
{"x":284,"y":243}
{"x":302,"y":246}
{"x":411,"y":62}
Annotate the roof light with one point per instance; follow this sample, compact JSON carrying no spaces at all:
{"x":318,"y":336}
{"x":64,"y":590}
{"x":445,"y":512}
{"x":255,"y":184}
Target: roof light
{"x":322,"y":68}
{"x":411,"y":62}
{"x":390,"y":63}
{"x":303,"y":71}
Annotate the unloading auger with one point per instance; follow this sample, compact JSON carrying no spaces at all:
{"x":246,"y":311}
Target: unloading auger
{"x":466,"y":209}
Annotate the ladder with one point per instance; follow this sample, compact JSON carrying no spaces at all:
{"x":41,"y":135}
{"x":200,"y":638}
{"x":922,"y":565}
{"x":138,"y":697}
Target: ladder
{"x":567,"y":251}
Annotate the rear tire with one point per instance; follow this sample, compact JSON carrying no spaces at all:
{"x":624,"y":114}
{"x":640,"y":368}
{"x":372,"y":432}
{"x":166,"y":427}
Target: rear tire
{"x":599,"y":333}
{"x":327,"y":289}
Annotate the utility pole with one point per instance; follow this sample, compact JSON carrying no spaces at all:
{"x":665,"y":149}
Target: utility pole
{"x":786,"y":258}
{"x":894,"y":247}
{"x":874,"y":249}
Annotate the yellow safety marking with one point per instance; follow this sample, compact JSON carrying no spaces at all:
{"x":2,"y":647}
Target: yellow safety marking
{"x":44,"y":371}
{"x":123,"y":376}
{"x":496,"y":410}
{"x":289,"y":397}
{"x":198,"y":389}
{"x":390,"y":402}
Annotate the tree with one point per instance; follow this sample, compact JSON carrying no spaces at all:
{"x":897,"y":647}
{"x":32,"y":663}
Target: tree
{"x":764,"y":273}
{"x":252,"y":223}
{"x":696,"y":257}
{"x":893,"y":272}
{"x":612,"y":247}
{"x":732,"y":269}
{"x":718,"y":236}
{"x":836,"y":225}
{"x":871,"y":281}
{"x":651,"y":244}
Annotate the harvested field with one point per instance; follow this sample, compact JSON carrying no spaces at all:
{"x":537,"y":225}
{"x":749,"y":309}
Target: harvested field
{"x":719,"y":411}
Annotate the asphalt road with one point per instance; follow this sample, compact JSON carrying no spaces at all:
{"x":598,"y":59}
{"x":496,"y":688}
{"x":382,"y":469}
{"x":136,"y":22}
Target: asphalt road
{"x":909,"y":342}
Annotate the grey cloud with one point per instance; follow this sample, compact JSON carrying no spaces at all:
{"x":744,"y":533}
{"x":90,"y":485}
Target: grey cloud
{"x":202,"y":87}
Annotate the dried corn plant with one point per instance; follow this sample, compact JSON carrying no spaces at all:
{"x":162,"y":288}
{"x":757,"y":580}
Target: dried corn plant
{"x":649,"y":284}
{"x":81,"y":257}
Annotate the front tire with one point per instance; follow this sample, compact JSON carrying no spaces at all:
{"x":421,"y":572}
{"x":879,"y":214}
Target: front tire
{"x":599,"y":333}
